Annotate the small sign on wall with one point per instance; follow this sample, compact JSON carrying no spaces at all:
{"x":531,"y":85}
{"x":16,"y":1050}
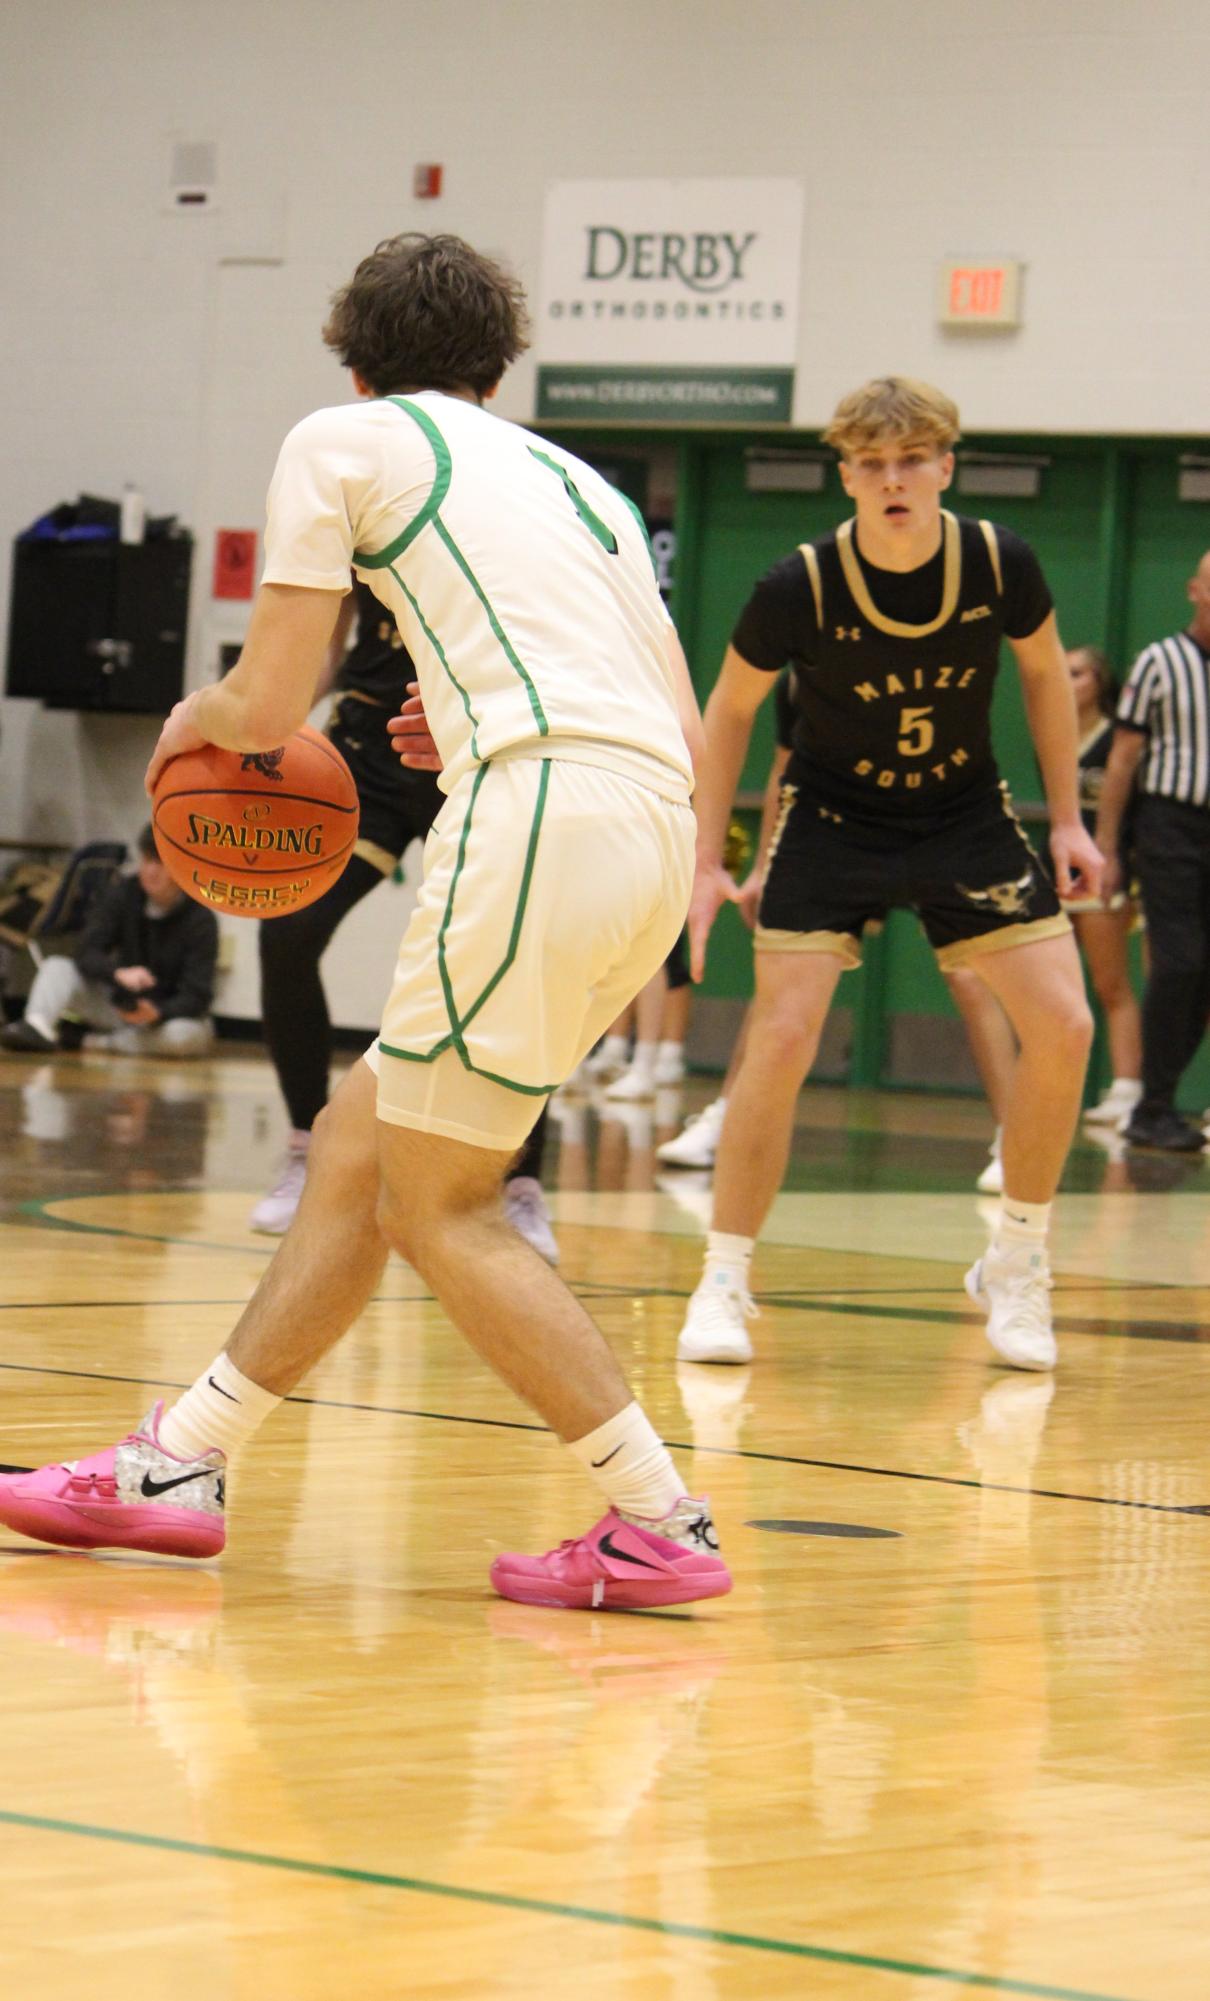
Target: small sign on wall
{"x":234,"y":563}
{"x":980,"y":294}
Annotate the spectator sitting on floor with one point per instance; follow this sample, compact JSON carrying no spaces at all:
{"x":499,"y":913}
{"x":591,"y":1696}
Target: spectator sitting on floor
{"x":143,"y":974}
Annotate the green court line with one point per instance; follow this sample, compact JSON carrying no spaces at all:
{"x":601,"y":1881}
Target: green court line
{"x":333,"y":1872}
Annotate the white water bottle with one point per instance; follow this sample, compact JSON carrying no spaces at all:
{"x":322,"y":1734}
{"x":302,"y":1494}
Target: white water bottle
{"x":133,"y":520}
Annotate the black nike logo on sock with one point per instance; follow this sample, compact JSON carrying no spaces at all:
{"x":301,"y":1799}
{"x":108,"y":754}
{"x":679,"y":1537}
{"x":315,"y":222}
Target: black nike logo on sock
{"x":608,"y":1456}
{"x":150,"y":1488}
{"x":222,"y":1392}
{"x":609,"y":1548}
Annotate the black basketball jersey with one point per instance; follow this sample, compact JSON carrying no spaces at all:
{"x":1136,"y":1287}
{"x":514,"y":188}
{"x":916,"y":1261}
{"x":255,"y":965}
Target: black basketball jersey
{"x":377,"y":665}
{"x":893,"y":710}
{"x":894,"y":716}
{"x":1093,"y":758}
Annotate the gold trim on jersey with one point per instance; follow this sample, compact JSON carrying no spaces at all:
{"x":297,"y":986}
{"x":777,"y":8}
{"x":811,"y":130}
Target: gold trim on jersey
{"x":1003,"y":940}
{"x":951,"y":542}
{"x":380,"y":858}
{"x":840,"y":944}
{"x":811,"y":559}
{"x":993,"y":550}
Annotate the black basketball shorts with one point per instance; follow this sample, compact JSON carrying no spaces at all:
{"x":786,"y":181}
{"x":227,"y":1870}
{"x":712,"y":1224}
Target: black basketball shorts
{"x":972,"y":878}
{"x":397,"y":806}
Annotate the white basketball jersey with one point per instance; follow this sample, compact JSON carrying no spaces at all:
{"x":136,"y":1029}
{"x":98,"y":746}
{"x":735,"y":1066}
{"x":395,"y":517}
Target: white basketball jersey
{"x":520,"y":579}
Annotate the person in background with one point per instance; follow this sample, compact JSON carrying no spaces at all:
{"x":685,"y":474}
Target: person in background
{"x":892,"y":799}
{"x":142,"y":979}
{"x":1162,"y":738}
{"x":988,"y":1030}
{"x":1103,"y":927}
{"x":397,"y":807}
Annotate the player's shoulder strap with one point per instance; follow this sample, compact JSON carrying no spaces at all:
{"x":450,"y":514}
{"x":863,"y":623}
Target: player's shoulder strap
{"x":810,"y":556}
{"x":993,"y":550}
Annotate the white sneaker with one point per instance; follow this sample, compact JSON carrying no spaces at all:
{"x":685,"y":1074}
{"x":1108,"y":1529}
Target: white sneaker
{"x":525,"y":1208}
{"x":633,"y":1084}
{"x":991,"y":1181}
{"x":607,"y":1060}
{"x":1115,"y":1105}
{"x":697,"y":1145}
{"x":1013,"y":1287}
{"x":275,"y":1211}
{"x":714,"y":1329}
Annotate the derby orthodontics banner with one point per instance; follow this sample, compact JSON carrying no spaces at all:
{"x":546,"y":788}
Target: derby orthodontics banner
{"x":669,"y":301}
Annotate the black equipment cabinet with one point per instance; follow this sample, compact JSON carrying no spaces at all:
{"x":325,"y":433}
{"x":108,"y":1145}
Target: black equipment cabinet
{"x":100,"y":625}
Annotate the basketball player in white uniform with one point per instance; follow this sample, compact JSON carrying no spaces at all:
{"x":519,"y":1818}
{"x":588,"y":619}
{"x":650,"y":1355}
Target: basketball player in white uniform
{"x":557,"y":877}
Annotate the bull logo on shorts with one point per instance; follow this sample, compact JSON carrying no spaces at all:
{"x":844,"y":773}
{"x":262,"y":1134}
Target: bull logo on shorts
{"x":264,"y":761}
{"x":1007,"y":899}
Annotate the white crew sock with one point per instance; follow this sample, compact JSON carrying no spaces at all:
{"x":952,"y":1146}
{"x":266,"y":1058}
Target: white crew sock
{"x":727,"y":1260}
{"x":1022,"y":1225}
{"x":222,"y":1410}
{"x":43,"y":1024}
{"x":631,"y":1465}
{"x":642,"y":1063}
{"x":614,"y":1049}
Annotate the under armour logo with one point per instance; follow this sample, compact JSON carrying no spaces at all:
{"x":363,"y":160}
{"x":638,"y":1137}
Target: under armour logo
{"x":848,"y":632}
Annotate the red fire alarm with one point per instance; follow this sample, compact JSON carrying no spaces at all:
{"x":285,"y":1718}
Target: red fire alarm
{"x":234,"y":563}
{"x":426,"y":182}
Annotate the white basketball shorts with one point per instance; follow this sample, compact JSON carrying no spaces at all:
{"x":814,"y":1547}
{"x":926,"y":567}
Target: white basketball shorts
{"x":553,"y":890}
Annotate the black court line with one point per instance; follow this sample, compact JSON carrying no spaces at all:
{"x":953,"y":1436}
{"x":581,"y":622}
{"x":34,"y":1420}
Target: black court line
{"x":674,"y":1445}
{"x":1188,"y":1333}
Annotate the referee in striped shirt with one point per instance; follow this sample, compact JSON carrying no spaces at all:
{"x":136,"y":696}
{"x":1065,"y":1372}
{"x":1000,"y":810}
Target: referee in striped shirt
{"x":1163,"y":739}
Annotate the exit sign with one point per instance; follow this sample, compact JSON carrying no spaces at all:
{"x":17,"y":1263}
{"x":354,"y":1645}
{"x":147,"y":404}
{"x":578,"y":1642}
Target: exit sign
{"x":980,"y":294}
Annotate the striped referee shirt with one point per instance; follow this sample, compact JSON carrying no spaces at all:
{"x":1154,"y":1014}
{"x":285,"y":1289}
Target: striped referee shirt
{"x":1167,"y":697}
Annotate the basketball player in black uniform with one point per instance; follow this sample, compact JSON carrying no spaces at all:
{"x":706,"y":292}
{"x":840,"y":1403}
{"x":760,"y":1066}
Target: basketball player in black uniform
{"x":398,"y":806}
{"x":892,"y":799}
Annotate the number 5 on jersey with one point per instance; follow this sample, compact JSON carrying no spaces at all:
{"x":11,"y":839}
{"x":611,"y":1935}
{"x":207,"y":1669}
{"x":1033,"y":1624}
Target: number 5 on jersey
{"x":915,"y":733}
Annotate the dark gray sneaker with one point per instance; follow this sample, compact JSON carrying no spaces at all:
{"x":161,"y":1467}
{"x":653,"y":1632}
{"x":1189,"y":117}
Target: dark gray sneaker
{"x":27,"y":1040}
{"x":1163,"y":1130}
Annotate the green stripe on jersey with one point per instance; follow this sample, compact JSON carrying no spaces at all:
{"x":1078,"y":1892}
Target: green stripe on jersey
{"x":437,"y":492}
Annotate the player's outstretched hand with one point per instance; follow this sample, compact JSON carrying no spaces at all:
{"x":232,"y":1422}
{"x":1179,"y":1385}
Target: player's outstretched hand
{"x":751,"y":890}
{"x":712,"y":887}
{"x":177,"y":736}
{"x":410,"y":737}
{"x":1079,"y":863}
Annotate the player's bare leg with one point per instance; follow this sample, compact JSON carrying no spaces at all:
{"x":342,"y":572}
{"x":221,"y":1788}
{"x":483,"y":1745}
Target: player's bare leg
{"x":793,"y":994}
{"x":440,"y":1208}
{"x":1041,"y":988}
{"x":164,"y":1488}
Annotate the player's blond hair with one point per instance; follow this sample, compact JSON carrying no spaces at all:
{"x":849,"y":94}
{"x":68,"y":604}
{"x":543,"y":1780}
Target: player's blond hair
{"x":893,"y":406}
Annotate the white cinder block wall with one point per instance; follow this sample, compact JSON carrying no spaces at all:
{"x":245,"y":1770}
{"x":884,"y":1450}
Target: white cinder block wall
{"x":145,"y":344}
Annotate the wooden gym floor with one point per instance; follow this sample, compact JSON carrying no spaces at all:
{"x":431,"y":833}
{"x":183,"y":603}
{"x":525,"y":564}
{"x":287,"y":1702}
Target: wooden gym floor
{"x":950,"y":1736}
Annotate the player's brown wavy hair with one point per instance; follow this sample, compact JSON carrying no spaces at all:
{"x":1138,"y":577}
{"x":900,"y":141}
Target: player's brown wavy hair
{"x":893,"y":406}
{"x":428,"y":312}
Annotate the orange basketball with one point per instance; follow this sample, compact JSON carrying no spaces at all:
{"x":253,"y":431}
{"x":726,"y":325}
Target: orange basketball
{"x":261,"y":834}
